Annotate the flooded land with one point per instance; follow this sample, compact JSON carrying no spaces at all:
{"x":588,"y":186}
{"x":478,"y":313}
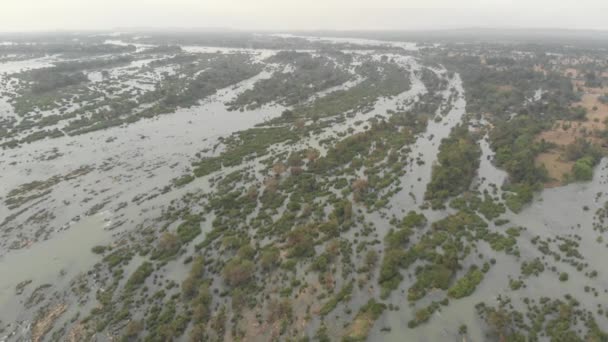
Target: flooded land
{"x":262,"y":187}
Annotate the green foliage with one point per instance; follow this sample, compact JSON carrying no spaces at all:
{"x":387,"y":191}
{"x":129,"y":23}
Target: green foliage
{"x":516,"y":149}
{"x":503,"y":86}
{"x":490,"y":209}
{"x":583,"y":169}
{"x":238,"y":272}
{"x":168,"y":245}
{"x":380,"y":79}
{"x":414,"y":220}
{"x":270,"y":258}
{"x":192,"y":283}
{"x":343,"y":213}
{"x":535,"y":267}
{"x":183,"y":180}
{"x":254,"y":141}
{"x":321,"y":263}
{"x":395,"y":256}
{"x":466,"y":285}
{"x":390,"y":276}
{"x":343,"y":294}
{"x":310,"y":75}
{"x":397,"y":238}
{"x":300,"y":242}
{"x":429,"y":278}
{"x":457,"y":164}
{"x":586,"y":155}
{"x":520,"y":195}
{"x":515,"y":284}
{"x":371,"y":259}
{"x":500,"y":242}
{"x":99,"y":249}
{"x":555,"y":319}
{"x":139,"y":276}
{"x":189,"y":229}
{"x":105,"y":105}
{"x":364,"y":321}
{"x":119,"y":256}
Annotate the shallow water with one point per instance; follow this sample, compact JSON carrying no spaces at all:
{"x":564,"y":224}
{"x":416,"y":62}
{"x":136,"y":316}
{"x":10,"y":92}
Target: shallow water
{"x":555,"y":212}
{"x":141,"y":158}
{"x":408,"y":46}
{"x":56,"y":261}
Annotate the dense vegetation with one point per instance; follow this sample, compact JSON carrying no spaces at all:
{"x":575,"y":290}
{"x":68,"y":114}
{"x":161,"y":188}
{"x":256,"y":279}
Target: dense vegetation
{"x":457,"y":163}
{"x":309,"y":76}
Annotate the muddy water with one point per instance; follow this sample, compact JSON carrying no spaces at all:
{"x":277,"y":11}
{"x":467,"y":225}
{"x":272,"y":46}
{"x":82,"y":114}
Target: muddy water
{"x":425,"y":149}
{"x":414,"y":182}
{"x":381,"y":107}
{"x":411,"y":197}
{"x":145,"y":156}
{"x":555,"y":212}
{"x":489,"y":177}
{"x":55,"y":262}
{"x":6,"y":68}
{"x":128,"y":161}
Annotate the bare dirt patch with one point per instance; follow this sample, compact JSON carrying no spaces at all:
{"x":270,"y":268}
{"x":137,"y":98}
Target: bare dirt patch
{"x":556,"y":167}
{"x":360,"y":327}
{"x":580,"y":85}
{"x":571,"y":72}
{"x":77,"y":333}
{"x":565,"y":132}
{"x":46,"y":321}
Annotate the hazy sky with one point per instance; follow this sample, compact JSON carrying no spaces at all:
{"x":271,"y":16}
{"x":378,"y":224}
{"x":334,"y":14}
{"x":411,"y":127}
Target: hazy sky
{"x":18,"y":15}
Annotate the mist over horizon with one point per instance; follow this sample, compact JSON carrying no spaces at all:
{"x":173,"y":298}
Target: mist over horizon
{"x":36,"y":15}
{"x":329,"y":170}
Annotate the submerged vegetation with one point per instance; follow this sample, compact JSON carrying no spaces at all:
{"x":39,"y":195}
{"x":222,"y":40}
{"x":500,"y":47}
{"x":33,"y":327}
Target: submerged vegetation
{"x":369,"y":191}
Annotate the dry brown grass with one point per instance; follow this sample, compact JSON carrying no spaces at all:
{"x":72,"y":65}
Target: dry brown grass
{"x":566,"y":132}
{"x":265,"y":331}
{"x":77,"y":333}
{"x":580,"y":84}
{"x":505,"y":88}
{"x":556,"y":167}
{"x":571,"y":72}
{"x":46,"y":321}
{"x":360,"y":327}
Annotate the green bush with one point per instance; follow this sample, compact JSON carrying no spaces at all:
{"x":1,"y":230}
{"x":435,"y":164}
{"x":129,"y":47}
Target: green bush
{"x":583,"y":169}
{"x":330,"y":305}
{"x":457,"y":164}
{"x":139,"y":276}
{"x":466,"y":285}
{"x":238,"y":272}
